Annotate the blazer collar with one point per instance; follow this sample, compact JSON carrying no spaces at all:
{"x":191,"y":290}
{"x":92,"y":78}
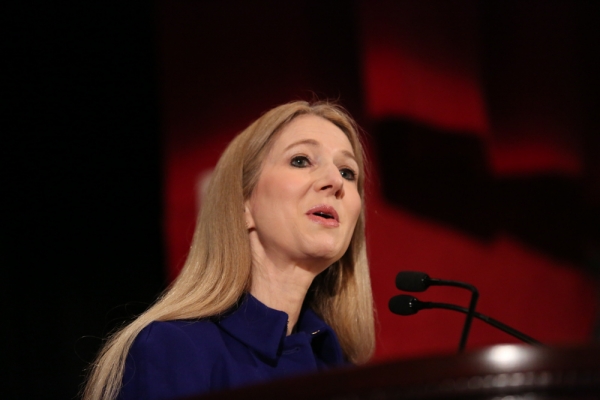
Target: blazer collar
{"x":264,"y":329}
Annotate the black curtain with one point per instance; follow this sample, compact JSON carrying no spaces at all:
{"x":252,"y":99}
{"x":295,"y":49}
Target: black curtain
{"x":82,"y":247}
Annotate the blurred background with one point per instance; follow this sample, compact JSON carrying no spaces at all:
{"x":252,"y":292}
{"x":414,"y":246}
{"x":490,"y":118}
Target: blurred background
{"x":481,"y":127}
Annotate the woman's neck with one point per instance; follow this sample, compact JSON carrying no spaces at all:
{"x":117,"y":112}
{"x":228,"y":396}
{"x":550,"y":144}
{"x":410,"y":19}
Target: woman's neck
{"x":282,"y":289}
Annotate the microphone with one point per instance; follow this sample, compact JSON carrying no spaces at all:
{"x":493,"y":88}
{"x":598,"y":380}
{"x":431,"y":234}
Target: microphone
{"x":408,"y":305}
{"x":414,"y":281}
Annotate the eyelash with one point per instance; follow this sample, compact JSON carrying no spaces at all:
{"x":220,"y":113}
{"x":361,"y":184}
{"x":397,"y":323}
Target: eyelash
{"x":306,"y":163}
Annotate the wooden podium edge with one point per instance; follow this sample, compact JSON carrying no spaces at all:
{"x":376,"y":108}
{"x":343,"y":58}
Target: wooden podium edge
{"x":565,"y":373}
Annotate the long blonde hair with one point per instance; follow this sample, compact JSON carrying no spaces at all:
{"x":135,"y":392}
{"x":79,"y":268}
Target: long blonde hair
{"x":217,"y":271}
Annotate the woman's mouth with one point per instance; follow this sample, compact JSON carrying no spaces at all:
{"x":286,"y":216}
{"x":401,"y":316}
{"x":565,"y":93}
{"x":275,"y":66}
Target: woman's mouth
{"x":325,"y":215}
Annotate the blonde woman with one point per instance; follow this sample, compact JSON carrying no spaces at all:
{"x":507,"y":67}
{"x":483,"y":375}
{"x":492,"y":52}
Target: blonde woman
{"x":277,"y":280}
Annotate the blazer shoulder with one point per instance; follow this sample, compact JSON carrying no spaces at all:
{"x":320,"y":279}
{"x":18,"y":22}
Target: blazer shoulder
{"x":171,"y":359}
{"x":178,"y":332}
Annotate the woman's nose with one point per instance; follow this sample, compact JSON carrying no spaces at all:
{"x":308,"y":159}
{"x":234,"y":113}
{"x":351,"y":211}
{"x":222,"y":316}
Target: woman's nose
{"x":331,"y":181}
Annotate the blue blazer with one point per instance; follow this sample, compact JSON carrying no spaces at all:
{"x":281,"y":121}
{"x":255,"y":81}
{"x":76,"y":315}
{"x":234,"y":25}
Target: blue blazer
{"x":248,"y":345}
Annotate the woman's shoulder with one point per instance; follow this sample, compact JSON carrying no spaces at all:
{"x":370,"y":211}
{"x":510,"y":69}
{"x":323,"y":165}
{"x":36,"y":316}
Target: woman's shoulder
{"x":177,"y":333}
{"x":196,"y":344}
{"x":172,"y":359}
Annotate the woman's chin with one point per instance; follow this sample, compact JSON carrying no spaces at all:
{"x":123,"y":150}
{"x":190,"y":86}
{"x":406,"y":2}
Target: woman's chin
{"x":323,"y":254}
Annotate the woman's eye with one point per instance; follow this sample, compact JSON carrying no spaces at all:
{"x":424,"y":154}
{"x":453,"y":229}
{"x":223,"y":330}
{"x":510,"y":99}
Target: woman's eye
{"x":348,"y":174}
{"x":300,"y":162}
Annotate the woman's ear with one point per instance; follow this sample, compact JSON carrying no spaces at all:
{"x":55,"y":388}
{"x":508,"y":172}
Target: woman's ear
{"x":248,"y":216}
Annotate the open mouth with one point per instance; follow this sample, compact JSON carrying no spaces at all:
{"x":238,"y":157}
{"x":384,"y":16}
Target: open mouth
{"x":323,"y":215}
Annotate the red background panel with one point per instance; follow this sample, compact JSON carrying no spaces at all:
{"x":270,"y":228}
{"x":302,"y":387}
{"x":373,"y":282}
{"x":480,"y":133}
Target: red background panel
{"x":420,"y":60}
{"x":430,"y":63}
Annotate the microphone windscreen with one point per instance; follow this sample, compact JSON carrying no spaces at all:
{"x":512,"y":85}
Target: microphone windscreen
{"x":403,"y":304}
{"x":412,"y":281}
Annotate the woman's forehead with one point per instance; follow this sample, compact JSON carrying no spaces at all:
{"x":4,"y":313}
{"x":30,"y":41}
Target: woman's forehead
{"x":311,"y":130}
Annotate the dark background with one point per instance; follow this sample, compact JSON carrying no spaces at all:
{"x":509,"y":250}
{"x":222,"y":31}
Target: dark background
{"x":82,"y":248}
{"x":83,"y":156}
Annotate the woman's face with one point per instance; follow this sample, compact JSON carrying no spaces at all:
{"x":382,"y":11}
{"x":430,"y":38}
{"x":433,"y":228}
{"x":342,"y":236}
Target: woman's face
{"x":305,"y":205}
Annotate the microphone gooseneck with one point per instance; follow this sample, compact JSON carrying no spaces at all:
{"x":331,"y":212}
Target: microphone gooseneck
{"x":415,"y":281}
{"x":405,"y":304}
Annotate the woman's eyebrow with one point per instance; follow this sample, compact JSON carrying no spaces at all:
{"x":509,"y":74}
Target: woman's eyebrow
{"x":349,"y":154}
{"x":313,"y":142}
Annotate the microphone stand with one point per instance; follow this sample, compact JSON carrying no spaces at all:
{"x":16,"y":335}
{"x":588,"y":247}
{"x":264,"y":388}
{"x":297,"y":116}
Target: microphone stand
{"x":471,"y":311}
{"x":408,"y":305}
{"x":494,"y":322}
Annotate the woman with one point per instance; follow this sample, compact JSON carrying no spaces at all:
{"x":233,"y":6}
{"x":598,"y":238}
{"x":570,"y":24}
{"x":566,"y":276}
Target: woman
{"x":277,"y":280}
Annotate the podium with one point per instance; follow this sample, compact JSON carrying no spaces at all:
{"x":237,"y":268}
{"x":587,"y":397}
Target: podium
{"x":502,"y":372}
